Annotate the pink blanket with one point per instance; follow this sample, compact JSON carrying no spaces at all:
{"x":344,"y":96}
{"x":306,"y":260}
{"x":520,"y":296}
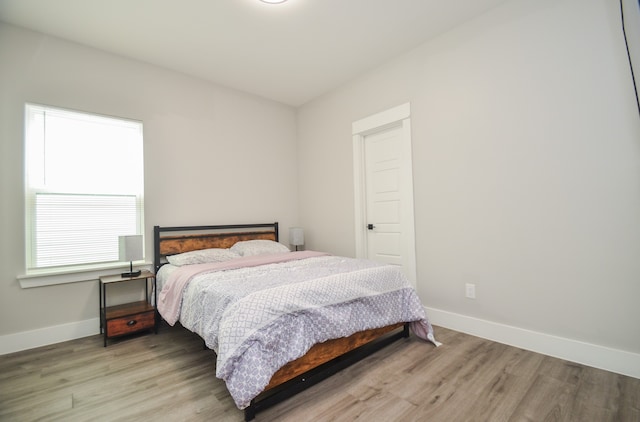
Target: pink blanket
{"x":170,"y":298}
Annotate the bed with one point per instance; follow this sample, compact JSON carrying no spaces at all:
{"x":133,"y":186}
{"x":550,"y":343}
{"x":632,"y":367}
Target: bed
{"x":279,"y":321}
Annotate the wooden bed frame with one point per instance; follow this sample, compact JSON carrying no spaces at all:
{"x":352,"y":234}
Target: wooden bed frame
{"x":322,"y":360}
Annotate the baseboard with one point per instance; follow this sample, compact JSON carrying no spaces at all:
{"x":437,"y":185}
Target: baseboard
{"x":613,"y":360}
{"x":50,"y":335}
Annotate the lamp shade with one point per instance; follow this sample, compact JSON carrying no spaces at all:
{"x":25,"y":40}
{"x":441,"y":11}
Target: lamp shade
{"x":296,"y":236}
{"x":130,"y":247}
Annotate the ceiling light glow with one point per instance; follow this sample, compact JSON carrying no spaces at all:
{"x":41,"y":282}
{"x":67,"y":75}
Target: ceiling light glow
{"x":273,"y":1}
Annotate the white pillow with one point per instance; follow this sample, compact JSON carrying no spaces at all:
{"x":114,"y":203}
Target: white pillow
{"x":258,"y":247}
{"x":202,"y":256}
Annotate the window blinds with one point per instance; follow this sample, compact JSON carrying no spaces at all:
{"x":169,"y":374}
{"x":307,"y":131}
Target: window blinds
{"x":84,"y":186}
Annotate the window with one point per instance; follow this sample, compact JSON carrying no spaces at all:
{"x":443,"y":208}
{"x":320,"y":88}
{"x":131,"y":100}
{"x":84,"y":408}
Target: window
{"x":84,"y":187}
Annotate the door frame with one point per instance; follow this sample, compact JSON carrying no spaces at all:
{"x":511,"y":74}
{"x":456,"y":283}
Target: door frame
{"x":396,"y":116}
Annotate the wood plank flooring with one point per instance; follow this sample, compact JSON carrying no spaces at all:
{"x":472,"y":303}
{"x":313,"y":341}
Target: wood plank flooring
{"x":169,"y":377}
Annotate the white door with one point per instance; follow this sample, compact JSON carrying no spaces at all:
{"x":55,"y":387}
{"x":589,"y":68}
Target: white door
{"x":383,"y":166}
{"x":384,"y":189}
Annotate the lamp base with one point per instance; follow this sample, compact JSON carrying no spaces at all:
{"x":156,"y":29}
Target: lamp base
{"x":130,"y":274}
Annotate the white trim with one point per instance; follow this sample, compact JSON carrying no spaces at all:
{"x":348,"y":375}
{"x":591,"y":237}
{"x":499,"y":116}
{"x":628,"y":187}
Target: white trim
{"x":613,"y":360}
{"x":396,"y":116}
{"x":28,"y":281}
{"x":387,"y":117}
{"x":408,"y":208}
{"x":25,"y":340}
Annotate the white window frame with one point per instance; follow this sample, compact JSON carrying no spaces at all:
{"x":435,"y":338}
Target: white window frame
{"x":68,"y":192}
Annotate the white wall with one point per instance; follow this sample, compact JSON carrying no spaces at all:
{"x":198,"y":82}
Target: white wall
{"x":526,"y":147}
{"x":526,"y":152}
{"x":212,"y":156}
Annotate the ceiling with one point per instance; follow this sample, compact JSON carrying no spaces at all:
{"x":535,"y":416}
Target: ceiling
{"x":290,"y":52}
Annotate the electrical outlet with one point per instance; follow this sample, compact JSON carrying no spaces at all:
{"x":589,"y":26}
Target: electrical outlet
{"x":470,"y":290}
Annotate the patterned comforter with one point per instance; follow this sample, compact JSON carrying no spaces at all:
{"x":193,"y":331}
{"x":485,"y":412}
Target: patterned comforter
{"x":261,"y":317}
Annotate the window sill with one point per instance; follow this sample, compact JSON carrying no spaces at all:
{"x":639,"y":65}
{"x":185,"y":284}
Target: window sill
{"x":50,"y":278}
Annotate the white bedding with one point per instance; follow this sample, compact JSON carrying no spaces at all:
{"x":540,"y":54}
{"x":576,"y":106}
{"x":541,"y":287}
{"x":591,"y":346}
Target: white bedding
{"x":259,"y":318}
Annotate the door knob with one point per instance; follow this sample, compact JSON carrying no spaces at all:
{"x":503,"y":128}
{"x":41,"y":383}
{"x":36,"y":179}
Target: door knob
{"x":370,"y":226}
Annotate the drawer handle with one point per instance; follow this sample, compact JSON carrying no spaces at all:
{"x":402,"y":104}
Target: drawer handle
{"x":132,"y":323}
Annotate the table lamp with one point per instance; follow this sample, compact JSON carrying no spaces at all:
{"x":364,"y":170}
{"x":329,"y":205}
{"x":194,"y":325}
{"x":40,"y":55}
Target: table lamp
{"x":296,"y":236}
{"x":130,"y":249}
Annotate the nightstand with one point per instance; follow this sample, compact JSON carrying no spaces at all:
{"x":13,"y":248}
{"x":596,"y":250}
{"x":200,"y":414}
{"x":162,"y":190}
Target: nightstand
{"x":131,"y":317}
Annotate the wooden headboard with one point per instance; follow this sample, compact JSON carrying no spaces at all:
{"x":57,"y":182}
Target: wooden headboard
{"x":174,"y":240}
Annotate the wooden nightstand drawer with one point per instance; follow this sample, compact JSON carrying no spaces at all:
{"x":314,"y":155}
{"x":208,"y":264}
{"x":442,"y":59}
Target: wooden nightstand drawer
{"x":130,"y":324}
{"x":131,"y":317}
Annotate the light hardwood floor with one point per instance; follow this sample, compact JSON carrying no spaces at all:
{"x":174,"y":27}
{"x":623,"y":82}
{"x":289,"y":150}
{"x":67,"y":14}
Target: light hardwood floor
{"x":169,"y":377}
